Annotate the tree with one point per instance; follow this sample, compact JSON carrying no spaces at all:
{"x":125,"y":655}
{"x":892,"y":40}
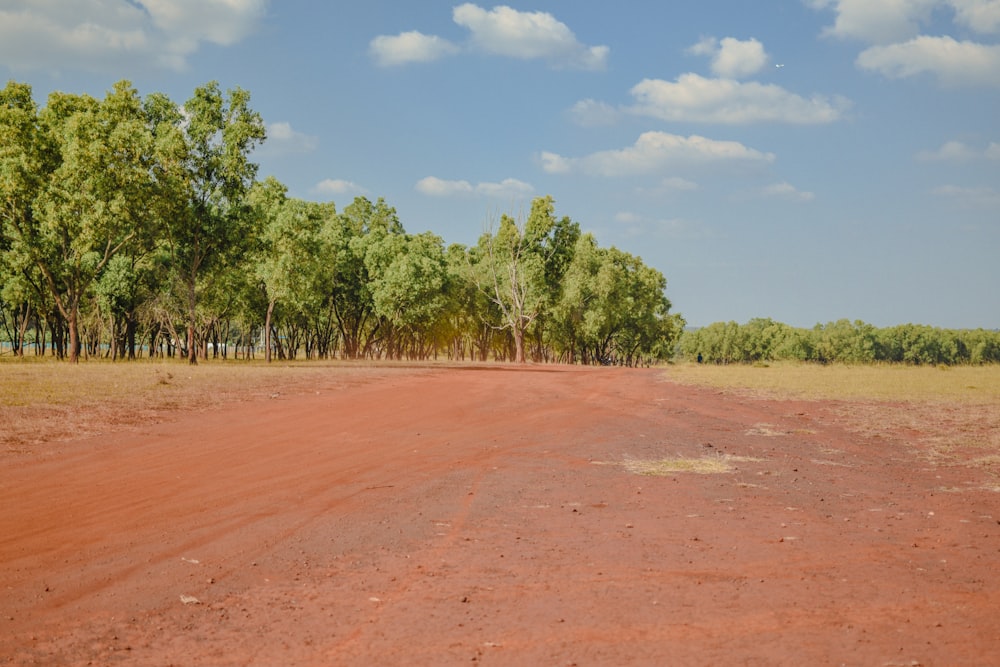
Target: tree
{"x":512,"y":269}
{"x":77,"y":185}
{"x":293,"y":250}
{"x":361,"y":224}
{"x":210,"y":224}
{"x":409,"y":289}
{"x":25,"y":161}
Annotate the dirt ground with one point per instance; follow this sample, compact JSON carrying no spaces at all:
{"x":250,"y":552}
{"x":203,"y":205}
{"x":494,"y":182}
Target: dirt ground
{"x":493,"y":515}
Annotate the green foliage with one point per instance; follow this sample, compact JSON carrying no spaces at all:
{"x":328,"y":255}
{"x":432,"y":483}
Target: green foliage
{"x":843,"y":341}
{"x":131,"y":225}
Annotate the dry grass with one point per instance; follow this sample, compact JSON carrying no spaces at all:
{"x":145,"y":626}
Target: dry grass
{"x":966,"y":384}
{"x":951,"y":414}
{"x":45,"y":401}
{"x":705,"y":465}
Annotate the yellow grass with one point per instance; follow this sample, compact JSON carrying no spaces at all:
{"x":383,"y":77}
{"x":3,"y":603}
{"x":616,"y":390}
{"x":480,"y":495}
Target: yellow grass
{"x":34,"y":382}
{"x":966,"y":384}
{"x":705,"y":465}
{"x":43,"y":400}
{"x":952,"y":414}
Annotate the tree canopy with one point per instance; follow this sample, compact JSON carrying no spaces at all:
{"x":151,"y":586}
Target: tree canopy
{"x":132,"y":226}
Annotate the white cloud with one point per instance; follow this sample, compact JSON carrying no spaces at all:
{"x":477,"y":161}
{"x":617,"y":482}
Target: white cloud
{"x":899,"y":49}
{"x":732,"y":58}
{"x":982,"y":16}
{"x":509,"y":187}
{"x":281,"y":137}
{"x":697,"y":99}
{"x":949,"y":151}
{"x":993,"y":151}
{"x":528,"y":35}
{"x":98,"y":35}
{"x":592,"y":113}
{"x":337,"y":186}
{"x":877,"y":21}
{"x":785,"y":190}
{"x":888,"y":21}
{"x":222,"y":22}
{"x":501,"y":31}
{"x":981,"y":197}
{"x":951,"y":61}
{"x":409,"y":47}
{"x":437,"y":187}
{"x":654,"y":151}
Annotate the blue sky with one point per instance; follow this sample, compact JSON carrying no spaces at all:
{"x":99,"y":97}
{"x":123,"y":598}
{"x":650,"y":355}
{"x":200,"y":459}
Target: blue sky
{"x":805,"y":160}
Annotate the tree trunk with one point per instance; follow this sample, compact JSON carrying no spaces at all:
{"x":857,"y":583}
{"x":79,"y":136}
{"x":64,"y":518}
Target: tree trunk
{"x":267,"y":331}
{"x":518,"y":344}
{"x":192,"y":352}
{"x":74,"y":334}
{"x":22,"y":331}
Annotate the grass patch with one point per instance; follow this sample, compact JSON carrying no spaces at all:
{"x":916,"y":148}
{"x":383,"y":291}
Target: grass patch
{"x":705,"y":465}
{"x":44,"y":400}
{"x":967,"y":384}
{"x":950,"y":413}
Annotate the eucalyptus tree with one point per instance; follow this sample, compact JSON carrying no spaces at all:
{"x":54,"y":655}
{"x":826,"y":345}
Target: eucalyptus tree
{"x":573,"y":311}
{"x":409,"y":288}
{"x":512,"y":261}
{"x":77,"y":185}
{"x":613,"y":308}
{"x":293,"y":254}
{"x":361,"y":224}
{"x":210,"y":225}
{"x":18,"y":299}
{"x":25,"y":161}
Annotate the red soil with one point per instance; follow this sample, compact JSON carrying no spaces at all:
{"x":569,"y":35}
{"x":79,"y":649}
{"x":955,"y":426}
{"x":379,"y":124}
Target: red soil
{"x":482,"y":515}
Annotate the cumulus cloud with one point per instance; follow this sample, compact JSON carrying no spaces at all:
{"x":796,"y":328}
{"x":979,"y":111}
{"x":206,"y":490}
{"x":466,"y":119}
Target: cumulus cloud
{"x":222,"y":22}
{"x":337,"y":186}
{"x":888,"y":21}
{"x":951,"y":61}
{"x":732,"y":58}
{"x":282,"y":138}
{"x":787,"y":191}
{"x":409,"y":47}
{"x":528,"y":35}
{"x":652,"y":152}
{"x":98,"y":35}
{"x":501,"y":31}
{"x":949,"y":151}
{"x":899,"y":50}
{"x":879,"y":22}
{"x":437,"y":187}
{"x":698,"y":99}
{"x":982,"y":16}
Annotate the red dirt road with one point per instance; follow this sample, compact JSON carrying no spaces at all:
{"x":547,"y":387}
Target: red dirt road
{"x":483,"y":515}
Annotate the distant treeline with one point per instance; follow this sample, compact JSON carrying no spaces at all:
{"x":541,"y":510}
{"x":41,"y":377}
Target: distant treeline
{"x":843,"y":341}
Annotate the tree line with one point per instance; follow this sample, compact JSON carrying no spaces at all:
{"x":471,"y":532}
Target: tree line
{"x":135,"y":226}
{"x":763,"y":340}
